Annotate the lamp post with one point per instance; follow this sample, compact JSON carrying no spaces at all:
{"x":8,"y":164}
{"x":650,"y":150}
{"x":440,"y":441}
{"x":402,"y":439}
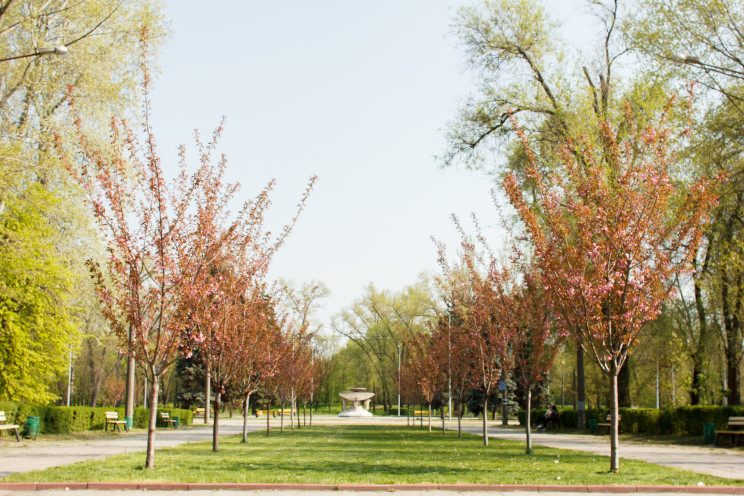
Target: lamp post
{"x":398,"y":379}
{"x":59,"y":50}
{"x":687,"y":59}
{"x":449,"y":365}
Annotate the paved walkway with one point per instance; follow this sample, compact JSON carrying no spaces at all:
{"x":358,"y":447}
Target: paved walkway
{"x":721,"y":462}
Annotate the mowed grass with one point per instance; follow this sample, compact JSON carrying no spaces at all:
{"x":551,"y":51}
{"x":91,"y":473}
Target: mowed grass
{"x":367,"y":454}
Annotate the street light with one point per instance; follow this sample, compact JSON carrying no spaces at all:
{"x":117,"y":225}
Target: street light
{"x":398,"y":379}
{"x":59,"y":50}
{"x":687,"y":59}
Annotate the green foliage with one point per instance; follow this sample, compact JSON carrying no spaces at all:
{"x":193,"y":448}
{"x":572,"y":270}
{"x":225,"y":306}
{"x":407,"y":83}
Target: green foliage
{"x":682,"y":421}
{"x":369,"y":455}
{"x":37,"y":330}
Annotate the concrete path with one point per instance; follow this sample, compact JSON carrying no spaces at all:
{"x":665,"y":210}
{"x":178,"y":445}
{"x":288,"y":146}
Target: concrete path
{"x":721,"y":462}
{"x":40,"y":454}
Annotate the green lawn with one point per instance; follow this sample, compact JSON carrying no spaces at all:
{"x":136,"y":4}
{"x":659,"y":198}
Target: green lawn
{"x":367,"y":454}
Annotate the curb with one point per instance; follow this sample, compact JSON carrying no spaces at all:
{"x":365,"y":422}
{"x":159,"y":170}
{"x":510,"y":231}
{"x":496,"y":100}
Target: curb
{"x":184,"y":486}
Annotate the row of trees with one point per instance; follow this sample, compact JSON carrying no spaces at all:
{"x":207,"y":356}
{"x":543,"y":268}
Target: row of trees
{"x":183,"y":275}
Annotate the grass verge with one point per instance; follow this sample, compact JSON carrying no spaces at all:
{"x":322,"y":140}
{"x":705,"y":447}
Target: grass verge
{"x":367,"y":455}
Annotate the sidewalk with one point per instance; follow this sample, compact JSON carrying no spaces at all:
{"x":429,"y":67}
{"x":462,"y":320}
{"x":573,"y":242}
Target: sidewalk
{"x":721,"y":462}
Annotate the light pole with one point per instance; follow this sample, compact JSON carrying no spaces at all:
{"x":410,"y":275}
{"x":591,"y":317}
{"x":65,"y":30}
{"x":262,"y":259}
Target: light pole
{"x":449,"y":365}
{"x":59,"y":50}
{"x":398,"y":379}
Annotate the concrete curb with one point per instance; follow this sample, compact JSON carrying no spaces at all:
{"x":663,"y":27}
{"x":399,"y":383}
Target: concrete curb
{"x":184,"y":486}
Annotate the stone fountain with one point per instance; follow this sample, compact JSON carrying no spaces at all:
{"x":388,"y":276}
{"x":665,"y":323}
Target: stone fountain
{"x":355,"y":402}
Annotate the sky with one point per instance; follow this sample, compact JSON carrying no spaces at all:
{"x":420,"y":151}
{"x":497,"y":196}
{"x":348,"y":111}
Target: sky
{"x":357,"y":93}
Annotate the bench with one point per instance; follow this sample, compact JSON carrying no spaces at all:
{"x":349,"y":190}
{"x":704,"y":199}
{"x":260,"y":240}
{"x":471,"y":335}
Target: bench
{"x":112,"y":418}
{"x":198,"y":412}
{"x":420,"y":413}
{"x":10,"y":427}
{"x":734,"y":430}
{"x":286,"y":411}
{"x":608,"y":423}
{"x":168,"y":421}
{"x":261,"y":412}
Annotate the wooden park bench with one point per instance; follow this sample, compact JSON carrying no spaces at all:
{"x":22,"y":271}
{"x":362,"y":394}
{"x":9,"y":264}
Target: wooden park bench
{"x":286,"y":411}
{"x":420,"y":413}
{"x":4,"y":426}
{"x":167,"y":420}
{"x":608,"y":424}
{"x":734,"y":429}
{"x":112,"y":418}
{"x":261,"y":412}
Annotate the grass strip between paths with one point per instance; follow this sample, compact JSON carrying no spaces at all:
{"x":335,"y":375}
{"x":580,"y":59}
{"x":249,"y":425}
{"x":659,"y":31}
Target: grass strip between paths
{"x":368,"y":455}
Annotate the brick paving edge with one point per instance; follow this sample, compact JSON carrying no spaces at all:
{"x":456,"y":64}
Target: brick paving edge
{"x":179,"y":486}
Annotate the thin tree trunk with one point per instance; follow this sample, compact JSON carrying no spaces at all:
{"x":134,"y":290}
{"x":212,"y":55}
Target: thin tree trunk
{"x":444,"y":426}
{"x":216,"y":425}
{"x":459,"y":421}
{"x":614,"y":427}
{"x":207,"y":396}
{"x":429,"y":412}
{"x":485,"y":419}
{"x":154,"y":390}
{"x":268,"y":417}
{"x":129,"y":408}
{"x":246,"y":412}
{"x":282,"y":417}
{"x":304,"y":413}
{"x":580,"y":390}
{"x":528,"y":418}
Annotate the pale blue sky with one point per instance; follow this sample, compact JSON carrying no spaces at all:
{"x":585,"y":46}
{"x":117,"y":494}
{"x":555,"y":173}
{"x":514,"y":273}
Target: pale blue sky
{"x":357,"y":93}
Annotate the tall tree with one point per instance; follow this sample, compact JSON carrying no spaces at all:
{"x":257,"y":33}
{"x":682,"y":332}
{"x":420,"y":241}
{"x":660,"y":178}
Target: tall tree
{"x":610,"y":237}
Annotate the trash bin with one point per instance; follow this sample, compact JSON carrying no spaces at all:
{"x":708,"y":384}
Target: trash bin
{"x":709,"y":431}
{"x":177,"y":420}
{"x":31,"y":427}
{"x":593,"y":426}
{"x":128,"y":420}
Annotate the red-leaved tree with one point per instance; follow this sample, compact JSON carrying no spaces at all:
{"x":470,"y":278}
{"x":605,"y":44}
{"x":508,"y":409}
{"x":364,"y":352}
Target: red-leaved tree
{"x":610,"y":234}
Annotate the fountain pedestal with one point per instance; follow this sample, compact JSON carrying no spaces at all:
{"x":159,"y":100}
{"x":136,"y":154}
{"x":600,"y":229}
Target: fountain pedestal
{"x":355,"y":403}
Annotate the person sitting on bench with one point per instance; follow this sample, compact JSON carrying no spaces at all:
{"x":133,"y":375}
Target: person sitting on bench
{"x":551,"y":415}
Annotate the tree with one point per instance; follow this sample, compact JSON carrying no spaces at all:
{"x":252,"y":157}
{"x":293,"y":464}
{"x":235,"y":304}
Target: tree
{"x":536,"y":343}
{"x":482,"y":314}
{"x":37,"y":330}
{"x":521,"y":69}
{"x":143,"y":219}
{"x":609,"y":238}
{"x":704,"y":42}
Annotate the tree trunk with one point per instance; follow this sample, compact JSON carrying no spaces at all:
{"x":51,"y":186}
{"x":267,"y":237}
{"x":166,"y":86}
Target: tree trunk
{"x":580,"y":390}
{"x":268,"y":417}
{"x":216,"y":425}
{"x":207,"y":396}
{"x":444,"y":427}
{"x":623,"y":385}
{"x":459,"y":422}
{"x":528,"y":421}
{"x":129,"y":408}
{"x":429,"y":412}
{"x":246,"y":412}
{"x":485,"y":419}
{"x":151,"y":426}
{"x":614,"y":423}
{"x":281,"y":423}
{"x":698,"y":355}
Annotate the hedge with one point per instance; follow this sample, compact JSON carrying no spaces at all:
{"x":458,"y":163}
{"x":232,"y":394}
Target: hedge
{"x":681,"y":421}
{"x":65,"y":419}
